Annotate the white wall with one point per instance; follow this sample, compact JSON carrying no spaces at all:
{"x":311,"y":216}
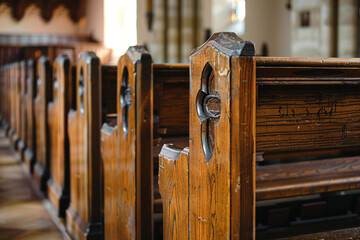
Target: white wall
{"x":268,"y":22}
{"x":95,"y":19}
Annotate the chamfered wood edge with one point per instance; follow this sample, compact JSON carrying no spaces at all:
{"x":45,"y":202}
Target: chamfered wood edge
{"x":172,"y":152}
{"x":229,"y":44}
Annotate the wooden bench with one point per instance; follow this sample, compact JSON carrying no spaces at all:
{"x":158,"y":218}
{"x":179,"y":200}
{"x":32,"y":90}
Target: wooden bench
{"x":30,"y":93}
{"x":152,"y":108}
{"x":58,"y":186}
{"x":289,"y":109}
{"x":43,"y":96}
{"x":95,"y":98}
{"x":14,"y":75}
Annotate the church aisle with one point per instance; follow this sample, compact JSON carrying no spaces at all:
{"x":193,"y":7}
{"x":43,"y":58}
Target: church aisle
{"x":22,"y":214}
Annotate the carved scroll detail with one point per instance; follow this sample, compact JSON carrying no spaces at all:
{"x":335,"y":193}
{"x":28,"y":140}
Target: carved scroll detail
{"x":208,"y":106}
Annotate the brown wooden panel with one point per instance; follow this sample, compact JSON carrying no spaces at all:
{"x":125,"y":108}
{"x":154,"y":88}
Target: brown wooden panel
{"x":307,"y":116}
{"x":22,"y":131}
{"x":58,"y":185}
{"x":171,"y":91}
{"x":30,"y":118}
{"x":307,"y":177}
{"x":213,"y":148}
{"x":174,"y":190}
{"x":43,"y":96}
{"x":110,"y":162}
{"x":84,"y":215}
{"x":108,"y":83}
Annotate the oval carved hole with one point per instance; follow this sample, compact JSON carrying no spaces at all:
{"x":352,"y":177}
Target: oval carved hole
{"x":208,"y":106}
{"x":125,"y":100}
{"x":81,"y":91}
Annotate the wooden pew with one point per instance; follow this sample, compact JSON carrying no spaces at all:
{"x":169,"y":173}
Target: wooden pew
{"x":95,"y":99}
{"x":14,"y":103}
{"x":298,"y":109}
{"x":307,"y":131}
{"x":208,"y":191}
{"x":152,"y":106}
{"x":59,"y":181}
{"x":30,"y":136}
{"x":43,"y":96}
{"x":22,"y":109}
{"x":6,"y":99}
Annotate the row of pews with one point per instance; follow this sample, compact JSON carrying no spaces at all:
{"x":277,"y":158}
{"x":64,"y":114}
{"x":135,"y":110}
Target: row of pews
{"x":227,"y":147}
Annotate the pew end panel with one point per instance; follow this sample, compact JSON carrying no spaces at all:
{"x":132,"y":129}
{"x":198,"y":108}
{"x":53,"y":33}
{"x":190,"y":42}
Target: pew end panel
{"x":59,"y":182}
{"x":43,"y":96}
{"x":84,"y":214}
{"x":222,"y":104}
{"x":174,"y":190}
{"x":14,"y":104}
{"x":221,"y":158}
{"x":22,"y":108}
{"x":127,"y":151}
{"x":29,"y":156}
{"x":110,"y":164}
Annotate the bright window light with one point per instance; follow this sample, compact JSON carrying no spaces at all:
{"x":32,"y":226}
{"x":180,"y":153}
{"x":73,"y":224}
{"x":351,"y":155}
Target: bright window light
{"x":120,"y":25}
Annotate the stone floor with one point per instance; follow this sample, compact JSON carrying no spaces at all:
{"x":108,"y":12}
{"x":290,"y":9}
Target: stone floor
{"x":22,"y":214}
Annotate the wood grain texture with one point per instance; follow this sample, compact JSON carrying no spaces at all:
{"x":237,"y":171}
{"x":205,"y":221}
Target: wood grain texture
{"x":134,"y":148}
{"x":210,"y":182}
{"x":174,"y":190}
{"x":30,"y":150}
{"x":59,"y":182}
{"x":171,"y":91}
{"x":22,"y":124}
{"x":84,"y":215}
{"x":43,"y":96}
{"x":110,"y":161}
{"x":307,"y":177}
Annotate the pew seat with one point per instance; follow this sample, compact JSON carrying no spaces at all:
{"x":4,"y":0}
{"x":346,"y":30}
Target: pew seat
{"x":307,"y":177}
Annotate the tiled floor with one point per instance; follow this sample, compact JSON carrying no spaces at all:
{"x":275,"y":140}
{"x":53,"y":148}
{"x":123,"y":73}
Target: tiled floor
{"x":22,"y":214}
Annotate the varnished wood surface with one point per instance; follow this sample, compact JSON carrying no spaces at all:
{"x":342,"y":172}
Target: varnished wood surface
{"x":174,"y":190}
{"x":344,"y":234}
{"x":210,"y":182}
{"x":110,"y":163}
{"x":171,"y":91}
{"x":84,"y":215}
{"x":59,"y":182}
{"x":43,"y":96}
{"x":309,"y":177}
{"x":22,"y":125}
{"x":30,"y":151}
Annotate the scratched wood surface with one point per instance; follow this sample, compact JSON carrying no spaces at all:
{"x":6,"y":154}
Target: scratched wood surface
{"x":59,"y":182}
{"x":43,"y":96}
{"x":84,"y":215}
{"x":174,"y":190}
{"x":29,"y":156}
{"x":307,"y":107}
